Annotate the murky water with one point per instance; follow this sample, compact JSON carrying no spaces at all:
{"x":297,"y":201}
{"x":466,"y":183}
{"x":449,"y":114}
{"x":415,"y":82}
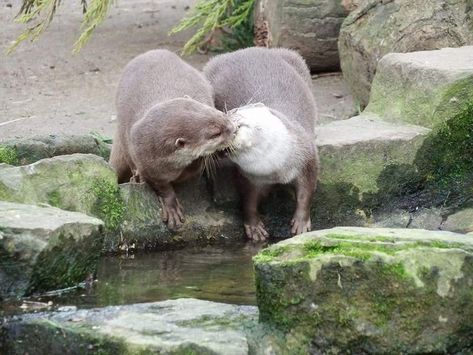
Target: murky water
{"x":222,"y":273}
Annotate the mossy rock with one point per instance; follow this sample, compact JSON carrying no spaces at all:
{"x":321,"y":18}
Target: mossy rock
{"x":184,"y":326}
{"x":379,"y":27}
{"x":78,"y":182}
{"x":142,"y":228}
{"x":29,"y":150}
{"x":45,"y":248}
{"x":366,"y":290}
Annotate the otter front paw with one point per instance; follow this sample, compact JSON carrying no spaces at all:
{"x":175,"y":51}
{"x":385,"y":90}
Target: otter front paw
{"x":300,"y":225}
{"x":173,"y":214}
{"x":256,"y":231}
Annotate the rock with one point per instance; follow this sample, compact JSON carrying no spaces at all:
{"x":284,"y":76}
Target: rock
{"x":78,"y":182}
{"x":460,"y":222}
{"x":310,"y":27}
{"x":142,"y":228}
{"x":427,"y":218}
{"x":363,"y":161}
{"x":45,"y":248}
{"x":364,"y":290}
{"x":378,"y":27}
{"x":183,"y":326}
{"x":423,"y":88}
{"x":30,"y":150}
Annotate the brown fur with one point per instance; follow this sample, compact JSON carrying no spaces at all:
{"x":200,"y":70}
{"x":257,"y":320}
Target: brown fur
{"x":166,"y":125}
{"x":279,"y":79}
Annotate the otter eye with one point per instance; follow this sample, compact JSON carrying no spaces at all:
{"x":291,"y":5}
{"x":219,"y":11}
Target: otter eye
{"x":215,"y":133}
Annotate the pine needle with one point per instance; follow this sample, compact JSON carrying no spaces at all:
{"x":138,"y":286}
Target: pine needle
{"x":212,"y":15}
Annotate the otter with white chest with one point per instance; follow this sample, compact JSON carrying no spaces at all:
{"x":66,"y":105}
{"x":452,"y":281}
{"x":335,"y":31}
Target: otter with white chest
{"x":167,"y":125}
{"x":275,"y":142}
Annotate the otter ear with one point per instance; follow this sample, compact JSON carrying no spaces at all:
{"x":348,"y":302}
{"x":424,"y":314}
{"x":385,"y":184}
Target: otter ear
{"x":180,"y":142}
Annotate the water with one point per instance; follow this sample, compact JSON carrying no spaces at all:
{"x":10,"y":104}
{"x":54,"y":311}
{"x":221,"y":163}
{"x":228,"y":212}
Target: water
{"x":221,"y":273}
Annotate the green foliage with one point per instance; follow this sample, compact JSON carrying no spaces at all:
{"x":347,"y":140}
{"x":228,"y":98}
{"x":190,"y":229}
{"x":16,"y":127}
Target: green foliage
{"x":8,"y":155}
{"x":217,"y":14}
{"x":38,"y":14}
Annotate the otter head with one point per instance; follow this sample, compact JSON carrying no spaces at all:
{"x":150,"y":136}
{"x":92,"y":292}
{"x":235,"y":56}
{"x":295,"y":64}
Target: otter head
{"x":186,"y":129}
{"x":261,"y":144}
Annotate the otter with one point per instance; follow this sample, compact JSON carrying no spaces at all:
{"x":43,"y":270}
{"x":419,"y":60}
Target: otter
{"x":167,"y":125}
{"x":267,"y":93}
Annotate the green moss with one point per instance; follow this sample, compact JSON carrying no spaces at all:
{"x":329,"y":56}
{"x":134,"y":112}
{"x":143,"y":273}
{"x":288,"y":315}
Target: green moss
{"x":109,"y":205}
{"x":8,"y":155}
{"x":66,"y":264}
{"x":267,"y":255}
{"x":54,"y":198}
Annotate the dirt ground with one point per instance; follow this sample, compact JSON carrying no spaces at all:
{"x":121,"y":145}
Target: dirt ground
{"x":46,"y":89}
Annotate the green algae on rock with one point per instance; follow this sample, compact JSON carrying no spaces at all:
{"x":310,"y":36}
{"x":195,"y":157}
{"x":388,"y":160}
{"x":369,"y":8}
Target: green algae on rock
{"x":78,"y":182}
{"x":8,"y":155}
{"x":183,"y":326}
{"x":45,"y":248}
{"x":370,"y":290}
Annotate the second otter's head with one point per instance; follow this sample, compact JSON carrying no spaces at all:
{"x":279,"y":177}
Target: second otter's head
{"x":184,"y":128}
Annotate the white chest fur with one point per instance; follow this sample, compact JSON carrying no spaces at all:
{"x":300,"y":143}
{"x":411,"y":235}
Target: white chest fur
{"x":263,"y":145}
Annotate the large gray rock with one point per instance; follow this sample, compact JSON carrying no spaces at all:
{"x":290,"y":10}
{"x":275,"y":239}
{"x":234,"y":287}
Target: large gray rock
{"x":311,"y":27}
{"x":45,"y":248}
{"x":378,"y":27}
{"x":29,"y":150}
{"x":77,"y":182}
{"x":425,"y":88}
{"x":184,"y":326}
{"x":369,"y":290}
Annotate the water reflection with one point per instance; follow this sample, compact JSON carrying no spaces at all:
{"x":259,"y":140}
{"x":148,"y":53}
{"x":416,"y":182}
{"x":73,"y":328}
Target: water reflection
{"x":221,"y":273}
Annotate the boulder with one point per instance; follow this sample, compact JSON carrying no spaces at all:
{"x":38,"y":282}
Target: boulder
{"x":78,"y":182}
{"x":310,"y":27}
{"x":183,"y":326}
{"x":378,"y":27}
{"x":460,"y":221}
{"x":370,"y":290}
{"x":29,"y":150}
{"x":45,"y":248}
{"x":423,"y":88}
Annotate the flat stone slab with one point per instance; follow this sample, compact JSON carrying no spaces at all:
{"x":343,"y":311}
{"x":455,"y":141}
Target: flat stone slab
{"x":370,"y":290}
{"x":45,"y":248}
{"x":424,"y":88}
{"x":184,"y":326}
{"x":77,"y":182}
{"x":29,"y":150}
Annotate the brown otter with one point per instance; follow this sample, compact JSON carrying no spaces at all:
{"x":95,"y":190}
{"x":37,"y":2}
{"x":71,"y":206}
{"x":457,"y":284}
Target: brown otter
{"x":166,"y":125}
{"x":275,"y":142}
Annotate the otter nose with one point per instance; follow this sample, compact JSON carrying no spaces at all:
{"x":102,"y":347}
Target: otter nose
{"x":231,"y":129}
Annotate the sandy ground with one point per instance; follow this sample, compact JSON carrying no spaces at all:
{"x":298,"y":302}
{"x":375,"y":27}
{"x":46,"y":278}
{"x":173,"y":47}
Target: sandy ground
{"x":46,"y":89}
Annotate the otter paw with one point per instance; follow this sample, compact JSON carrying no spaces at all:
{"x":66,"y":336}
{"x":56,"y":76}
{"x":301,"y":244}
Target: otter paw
{"x":173,"y":213}
{"x":300,"y":225}
{"x":256,"y":231}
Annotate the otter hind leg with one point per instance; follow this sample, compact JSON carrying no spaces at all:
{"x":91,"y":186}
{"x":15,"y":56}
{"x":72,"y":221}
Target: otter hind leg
{"x":119,"y":162}
{"x":305,"y":189}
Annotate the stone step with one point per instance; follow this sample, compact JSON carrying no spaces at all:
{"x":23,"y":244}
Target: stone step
{"x":425,"y":88}
{"x":370,"y":290}
{"x":183,"y":326}
{"x":78,"y":182}
{"x":45,"y":248}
